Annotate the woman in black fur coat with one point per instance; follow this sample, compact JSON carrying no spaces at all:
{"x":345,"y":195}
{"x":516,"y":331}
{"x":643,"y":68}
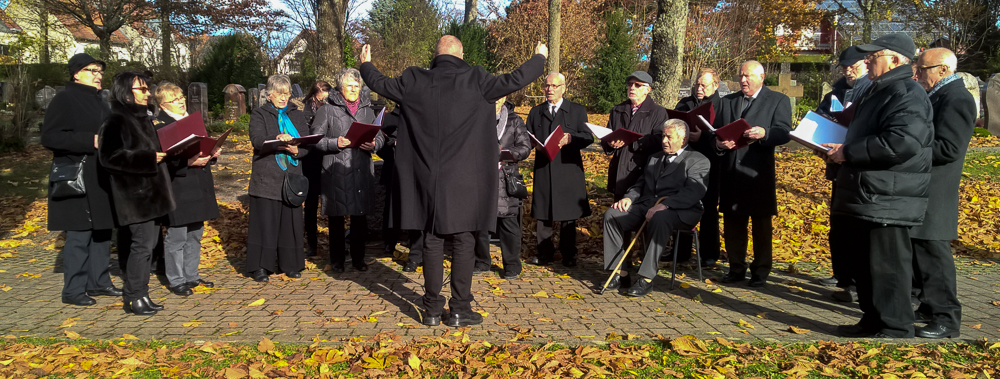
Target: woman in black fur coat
{"x":130,"y":150}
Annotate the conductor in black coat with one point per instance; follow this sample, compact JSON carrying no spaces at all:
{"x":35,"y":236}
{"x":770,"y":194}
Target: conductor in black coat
{"x":747,"y":187}
{"x":70,"y":131}
{"x":933,"y":263}
{"x":705,"y":91}
{"x":560,"y":188}
{"x":446,"y":156}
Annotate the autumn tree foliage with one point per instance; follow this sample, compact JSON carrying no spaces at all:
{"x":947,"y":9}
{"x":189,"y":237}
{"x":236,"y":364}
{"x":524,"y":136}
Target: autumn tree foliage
{"x":402,"y":33}
{"x":193,"y":18}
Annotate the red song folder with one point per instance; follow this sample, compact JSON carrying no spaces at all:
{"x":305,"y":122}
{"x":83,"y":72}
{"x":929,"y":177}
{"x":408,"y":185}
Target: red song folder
{"x":210,"y":145}
{"x":706,"y":111}
{"x":607,"y":135}
{"x":181,"y":134}
{"x":551,"y":145}
{"x":734,"y":132}
{"x":361,"y":133}
{"x":271,"y":146}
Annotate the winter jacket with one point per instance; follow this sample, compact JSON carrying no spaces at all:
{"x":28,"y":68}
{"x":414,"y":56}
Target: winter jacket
{"x":266,"y":177}
{"x":193,"y":187}
{"x":627,"y":162}
{"x":515,"y":138}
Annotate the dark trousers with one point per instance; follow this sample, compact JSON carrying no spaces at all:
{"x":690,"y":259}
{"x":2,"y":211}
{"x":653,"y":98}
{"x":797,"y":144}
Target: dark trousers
{"x":708,"y":230}
{"x":934,"y":274}
{"x":416,"y":239}
{"x":839,"y":256}
{"x":359,"y":233}
{"x":462,"y":262}
{"x":85,"y":262}
{"x":509,"y":233}
{"x":311,"y":167}
{"x":144,"y":236}
{"x":882,"y":264}
{"x":567,"y":239}
{"x":736,"y":243}
{"x":657,"y":235}
{"x":482,"y":249}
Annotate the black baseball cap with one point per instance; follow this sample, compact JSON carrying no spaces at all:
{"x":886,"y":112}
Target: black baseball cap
{"x":850,"y":56}
{"x":81,"y":60}
{"x":641,"y":76}
{"x":898,"y":42}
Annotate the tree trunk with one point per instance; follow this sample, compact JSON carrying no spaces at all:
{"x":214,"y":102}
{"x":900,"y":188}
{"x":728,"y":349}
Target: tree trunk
{"x":166,"y":32}
{"x":105,"y":40}
{"x":555,"y":22}
{"x":43,"y":28}
{"x":666,"y":57}
{"x":330,"y":17}
{"x":471,"y":10}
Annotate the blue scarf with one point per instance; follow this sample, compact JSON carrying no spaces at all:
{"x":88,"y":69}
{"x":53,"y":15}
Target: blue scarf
{"x":285,"y":127}
{"x":942,"y":83}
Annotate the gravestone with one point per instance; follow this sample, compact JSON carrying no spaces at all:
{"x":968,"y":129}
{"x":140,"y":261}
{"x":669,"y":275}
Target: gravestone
{"x":972,"y":85}
{"x":262,"y":98}
{"x":235,"y":101}
{"x":297,"y":91}
{"x":106,"y":95}
{"x":60,"y":88}
{"x":724,"y":89}
{"x":788,"y":86}
{"x":686,"y":89}
{"x":197,"y":95}
{"x":44,"y":96}
{"x":992,"y":109}
{"x":825,"y":89}
{"x":254,"y":96}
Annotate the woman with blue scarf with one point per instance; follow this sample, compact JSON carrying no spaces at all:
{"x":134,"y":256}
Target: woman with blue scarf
{"x":274,"y":238}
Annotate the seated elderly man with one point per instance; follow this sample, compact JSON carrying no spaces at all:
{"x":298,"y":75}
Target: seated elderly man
{"x":677,"y":175}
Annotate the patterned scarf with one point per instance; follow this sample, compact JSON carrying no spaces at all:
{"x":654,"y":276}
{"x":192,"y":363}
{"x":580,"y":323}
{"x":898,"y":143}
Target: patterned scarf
{"x":942,"y":83}
{"x":352,"y":105}
{"x":285,"y":127}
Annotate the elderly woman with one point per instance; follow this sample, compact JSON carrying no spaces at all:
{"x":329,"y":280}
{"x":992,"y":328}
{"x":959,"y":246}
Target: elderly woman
{"x":274,"y":241}
{"x":194,"y":193}
{"x":70,"y":132}
{"x":140,"y":185}
{"x":311,"y":165}
{"x":348,"y":172}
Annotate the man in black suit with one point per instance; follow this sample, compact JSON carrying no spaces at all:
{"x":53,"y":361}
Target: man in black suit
{"x":747,"y":186}
{"x":705,"y":91}
{"x":560,"y":188}
{"x":446,"y":159}
{"x":933,"y":263}
{"x":676,"y":174}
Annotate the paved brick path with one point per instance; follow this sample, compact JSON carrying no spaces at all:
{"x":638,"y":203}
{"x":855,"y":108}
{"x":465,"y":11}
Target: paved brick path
{"x":355,"y":304}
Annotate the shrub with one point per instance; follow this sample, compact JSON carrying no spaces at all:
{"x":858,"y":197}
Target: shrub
{"x":616,"y":58}
{"x":234,"y":59}
{"x":222,"y":126}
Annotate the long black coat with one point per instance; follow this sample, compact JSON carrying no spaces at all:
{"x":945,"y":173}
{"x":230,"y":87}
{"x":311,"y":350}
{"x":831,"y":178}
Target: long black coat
{"x":266,"y":177}
{"x":348,"y":174}
{"x":140,"y":186}
{"x":887,"y":151}
{"x":691,"y":102}
{"x":515,"y":138}
{"x":560,"y":188}
{"x":446,"y":151}
{"x":954,"y":122}
{"x":193,"y":187}
{"x":627,"y":162}
{"x":74,"y":117}
{"x":747,"y":182}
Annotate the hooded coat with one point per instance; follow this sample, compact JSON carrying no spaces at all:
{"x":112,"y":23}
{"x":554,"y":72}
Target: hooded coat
{"x":515,"y":138}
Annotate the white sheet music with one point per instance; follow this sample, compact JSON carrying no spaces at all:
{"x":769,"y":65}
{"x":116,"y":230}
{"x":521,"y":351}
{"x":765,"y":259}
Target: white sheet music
{"x":815,"y":130}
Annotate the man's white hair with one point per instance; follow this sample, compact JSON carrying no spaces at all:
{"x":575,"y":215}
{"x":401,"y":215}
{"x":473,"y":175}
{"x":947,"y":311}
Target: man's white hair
{"x":903,"y":60}
{"x":679,"y":125}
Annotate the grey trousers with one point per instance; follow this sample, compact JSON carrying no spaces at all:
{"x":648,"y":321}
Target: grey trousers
{"x":657,"y":236}
{"x":182,"y":253}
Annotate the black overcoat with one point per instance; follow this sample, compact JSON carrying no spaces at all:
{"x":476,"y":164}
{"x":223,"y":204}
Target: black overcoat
{"x":691,"y":102}
{"x":74,"y":117}
{"x":627,"y":162}
{"x":747,"y":175}
{"x":193,"y":187}
{"x":887,"y":169}
{"x":840,"y":88}
{"x":348,"y":174}
{"x":954,"y":122}
{"x":446,"y":149}
{"x":560,"y":187}
{"x":266,"y":177}
{"x":139,"y":185}
{"x":515,"y":138}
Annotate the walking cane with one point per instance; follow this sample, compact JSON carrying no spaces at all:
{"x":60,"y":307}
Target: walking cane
{"x":625,"y":255}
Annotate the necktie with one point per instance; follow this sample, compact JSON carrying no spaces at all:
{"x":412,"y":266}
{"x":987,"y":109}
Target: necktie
{"x":746,"y":105}
{"x":552,"y":110}
{"x":666,"y":161}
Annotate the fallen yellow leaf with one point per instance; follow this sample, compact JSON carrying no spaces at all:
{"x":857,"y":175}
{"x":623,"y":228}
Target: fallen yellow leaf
{"x":256,"y":302}
{"x":72,"y":335}
{"x":540,"y":294}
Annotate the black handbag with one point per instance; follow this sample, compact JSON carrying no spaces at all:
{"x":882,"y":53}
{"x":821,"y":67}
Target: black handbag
{"x":515,"y":183}
{"x":294,"y":189}
{"x":66,"y":180}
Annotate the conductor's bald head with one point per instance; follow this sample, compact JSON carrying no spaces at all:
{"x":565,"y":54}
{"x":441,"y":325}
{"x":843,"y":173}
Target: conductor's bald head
{"x":449,"y":45}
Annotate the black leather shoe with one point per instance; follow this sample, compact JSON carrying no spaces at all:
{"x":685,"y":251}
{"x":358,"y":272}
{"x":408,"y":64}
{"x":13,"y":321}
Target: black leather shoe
{"x":829,"y":282}
{"x":181,"y":290}
{"x":294,"y":275}
{"x":139,"y":307}
{"x":642,"y":287}
{"x":457,"y":319}
{"x":709,"y":264}
{"x":195,"y":283}
{"x":260,"y":276}
{"x":756,"y":281}
{"x":106,"y":291}
{"x":85,"y":301}
{"x":362,"y":267}
{"x":431,"y":320}
{"x":620,"y":282}
{"x":537,"y":261}
{"x":921,"y":317}
{"x":732,"y":277}
{"x":153,"y":305}
{"x":937,"y":331}
{"x":569,"y":262}
{"x":337,"y":269}
{"x":848,"y":295}
{"x":511,"y":276}
{"x":855,"y":331}
{"x":411,"y":266}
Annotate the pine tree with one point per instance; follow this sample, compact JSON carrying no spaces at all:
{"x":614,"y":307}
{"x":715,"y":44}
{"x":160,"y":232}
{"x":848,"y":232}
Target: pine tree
{"x":616,"y":58}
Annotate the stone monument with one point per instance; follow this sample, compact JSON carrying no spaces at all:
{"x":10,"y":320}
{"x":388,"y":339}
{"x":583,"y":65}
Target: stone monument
{"x":788,"y":86}
{"x":992,"y":103}
{"x":972,"y":85}
{"x":44,"y":96}
{"x":254,"y":96}
{"x":197,"y":96}
{"x":235,"y":101}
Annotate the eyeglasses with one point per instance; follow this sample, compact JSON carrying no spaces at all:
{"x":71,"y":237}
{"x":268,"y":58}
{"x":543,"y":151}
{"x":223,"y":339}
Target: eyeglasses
{"x":94,"y":71}
{"x":703,"y":85}
{"x":554,"y":85}
{"x":873,"y":56}
{"x":637,"y":85}
{"x":925,"y":68}
{"x":179,"y":99}
{"x":280,"y":95}
{"x":141,"y":89}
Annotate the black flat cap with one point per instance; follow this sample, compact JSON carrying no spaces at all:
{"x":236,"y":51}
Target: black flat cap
{"x":898,"y":42}
{"x":850,"y":56}
{"x":81,"y":60}
{"x":641,"y":76}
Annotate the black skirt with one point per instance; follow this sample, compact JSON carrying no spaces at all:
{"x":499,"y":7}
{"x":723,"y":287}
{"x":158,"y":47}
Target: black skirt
{"x":274,"y":238}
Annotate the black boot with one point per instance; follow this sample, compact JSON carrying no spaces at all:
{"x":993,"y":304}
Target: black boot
{"x":153,"y":305}
{"x":139,"y":307}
